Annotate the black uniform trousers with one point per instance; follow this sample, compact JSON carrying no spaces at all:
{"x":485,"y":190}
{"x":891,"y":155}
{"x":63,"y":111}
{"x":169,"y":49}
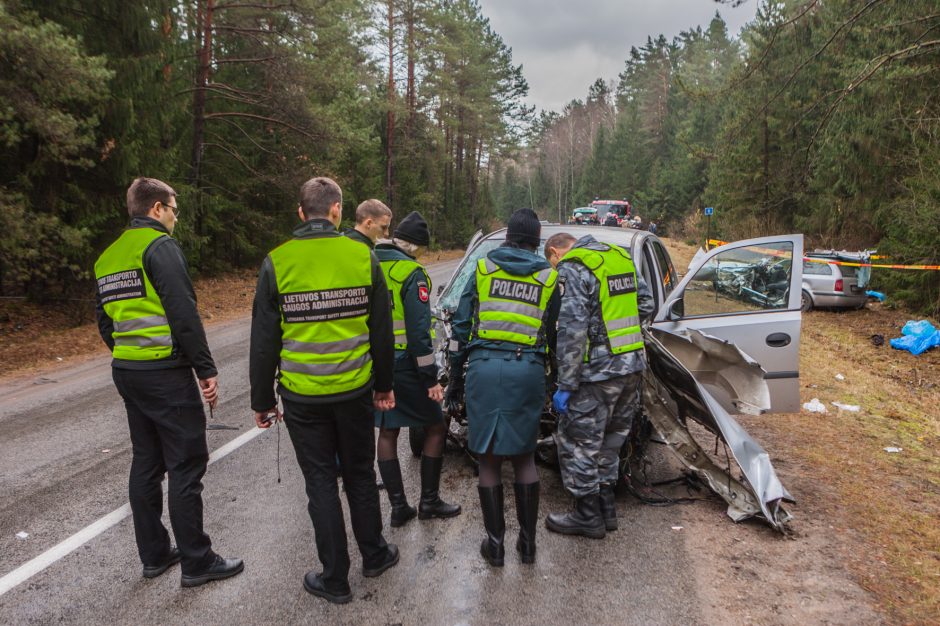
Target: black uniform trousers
{"x":168,"y":435}
{"x":320,"y":433}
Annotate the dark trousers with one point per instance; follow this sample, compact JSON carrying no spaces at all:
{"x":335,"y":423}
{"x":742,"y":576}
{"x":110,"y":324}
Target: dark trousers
{"x":168,"y":435}
{"x":320,"y":433}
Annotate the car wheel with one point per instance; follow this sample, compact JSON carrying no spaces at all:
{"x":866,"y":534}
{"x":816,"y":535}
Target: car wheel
{"x":416,"y":440}
{"x":806,"y":303}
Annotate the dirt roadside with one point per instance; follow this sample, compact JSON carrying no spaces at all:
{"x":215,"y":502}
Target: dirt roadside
{"x":862,"y":514}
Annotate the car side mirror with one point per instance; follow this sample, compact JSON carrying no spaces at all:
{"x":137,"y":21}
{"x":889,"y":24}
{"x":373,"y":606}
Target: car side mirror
{"x":676,"y":311}
{"x":440,"y":289}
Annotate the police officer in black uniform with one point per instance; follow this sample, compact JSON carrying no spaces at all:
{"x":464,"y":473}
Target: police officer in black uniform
{"x":146,"y":310}
{"x":321,"y":328}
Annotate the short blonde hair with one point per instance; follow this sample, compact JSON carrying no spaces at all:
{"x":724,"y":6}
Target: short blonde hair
{"x":371,"y":209}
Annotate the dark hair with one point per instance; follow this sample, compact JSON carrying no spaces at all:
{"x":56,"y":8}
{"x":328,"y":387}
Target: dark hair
{"x":371,"y":209}
{"x":317,"y":196}
{"x":559,"y":240}
{"x":144,"y":193}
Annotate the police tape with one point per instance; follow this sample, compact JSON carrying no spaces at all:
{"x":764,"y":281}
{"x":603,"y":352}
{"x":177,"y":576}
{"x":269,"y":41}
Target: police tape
{"x":718,"y":242}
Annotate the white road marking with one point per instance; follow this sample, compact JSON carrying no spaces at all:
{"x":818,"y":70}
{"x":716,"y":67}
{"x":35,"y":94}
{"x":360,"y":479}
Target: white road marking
{"x":56,"y":552}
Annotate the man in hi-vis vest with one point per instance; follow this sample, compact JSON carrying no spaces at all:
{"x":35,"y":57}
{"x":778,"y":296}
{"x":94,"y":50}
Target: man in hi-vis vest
{"x":321,"y":328}
{"x":600,"y":364}
{"x":147,"y":316}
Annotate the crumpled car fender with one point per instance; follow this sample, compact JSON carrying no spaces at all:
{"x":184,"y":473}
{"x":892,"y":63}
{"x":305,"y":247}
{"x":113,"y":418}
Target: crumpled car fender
{"x":672,"y":395}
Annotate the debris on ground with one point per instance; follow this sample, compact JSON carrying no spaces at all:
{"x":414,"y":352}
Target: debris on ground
{"x":917,"y":337}
{"x":22,"y":535}
{"x":877,"y":340}
{"x":814,"y":406}
{"x":854,"y":408}
{"x":893,"y":449}
{"x":840,"y":377}
{"x":677,"y":527}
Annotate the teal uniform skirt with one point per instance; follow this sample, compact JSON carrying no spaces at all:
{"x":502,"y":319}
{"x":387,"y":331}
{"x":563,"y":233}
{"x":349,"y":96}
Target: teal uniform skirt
{"x":505,"y":396}
{"x":413,"y":407}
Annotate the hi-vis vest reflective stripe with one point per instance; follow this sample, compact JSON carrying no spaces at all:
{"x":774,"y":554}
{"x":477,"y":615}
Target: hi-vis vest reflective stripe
{"x":324,"y":286}
{"x":141,"y":330}
{"x":396,"y":273}
{"x":512,"y":307}
{"x":614,"y":270}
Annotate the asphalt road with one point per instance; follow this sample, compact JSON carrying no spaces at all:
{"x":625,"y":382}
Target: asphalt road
{"x":64,"y":457}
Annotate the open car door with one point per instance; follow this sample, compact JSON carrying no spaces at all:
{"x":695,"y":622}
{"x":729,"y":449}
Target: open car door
{"x":747,"y":293}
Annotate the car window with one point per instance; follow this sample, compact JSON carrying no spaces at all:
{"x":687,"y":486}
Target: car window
{"x":817,"y":269}
{"x":749,"y":278}
{"x":647,"y":269}
{"x":667,"y":271}
{"x":451,"y":298}
{"x":848,"y":271}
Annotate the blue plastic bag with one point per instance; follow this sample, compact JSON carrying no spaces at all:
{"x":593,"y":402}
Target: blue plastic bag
{"x":877,"y":295}
{"x":918,"y":337}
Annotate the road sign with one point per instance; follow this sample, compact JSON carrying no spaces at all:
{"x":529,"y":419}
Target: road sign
{"x":709,"y":210}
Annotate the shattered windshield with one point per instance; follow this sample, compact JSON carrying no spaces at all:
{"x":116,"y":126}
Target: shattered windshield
{"x":450,"y":298}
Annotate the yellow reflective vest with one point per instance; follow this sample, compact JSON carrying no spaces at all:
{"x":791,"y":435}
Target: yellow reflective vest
{"x":616,"y":274}
{"x":141,"y":329}
{"x":512,"y":307}
{"x":324,"y":287}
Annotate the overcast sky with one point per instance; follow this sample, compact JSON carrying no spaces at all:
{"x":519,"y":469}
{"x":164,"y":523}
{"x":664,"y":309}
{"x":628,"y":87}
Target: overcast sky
{"x":565,"y":45}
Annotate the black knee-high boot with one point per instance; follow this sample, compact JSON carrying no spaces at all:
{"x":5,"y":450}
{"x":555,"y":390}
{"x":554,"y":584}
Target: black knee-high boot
{"x":491,"y":502}
{"x":527,"y":512}
{"x":431,"y":504}
{"x":391,"y":475}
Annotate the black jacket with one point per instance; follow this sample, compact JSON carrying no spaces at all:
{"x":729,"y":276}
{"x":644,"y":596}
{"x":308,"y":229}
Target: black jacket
{"x":355,"y":235}
{"x":265,"y":352}
{"x":166,"y":268}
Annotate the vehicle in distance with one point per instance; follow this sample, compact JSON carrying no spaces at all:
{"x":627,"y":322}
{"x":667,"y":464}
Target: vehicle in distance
{"x":712,"y":352}
{"x":830,"y":285}
{"x":620,"y":208}
{"x":584,"y":215}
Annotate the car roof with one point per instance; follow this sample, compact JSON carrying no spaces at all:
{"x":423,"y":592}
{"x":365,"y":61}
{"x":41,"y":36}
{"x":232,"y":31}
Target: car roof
{"x":623,"y":237}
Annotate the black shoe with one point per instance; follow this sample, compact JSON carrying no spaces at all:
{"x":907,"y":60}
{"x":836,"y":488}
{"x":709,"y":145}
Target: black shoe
{"x":217,"y":570}
{"x":173,"y":557}
{"x":586,"y":519}
{"x":391,"y":475}
{"x":391,"y":559}
{"x":313,"y":583}
{"x":491,"y":502}
{"x":431,"y":504}
{"x":608,"y":508}
{"x":527,"y":512}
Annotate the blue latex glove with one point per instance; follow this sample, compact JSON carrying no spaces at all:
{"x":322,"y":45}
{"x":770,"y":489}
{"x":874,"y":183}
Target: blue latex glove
{"x":560,"y":401}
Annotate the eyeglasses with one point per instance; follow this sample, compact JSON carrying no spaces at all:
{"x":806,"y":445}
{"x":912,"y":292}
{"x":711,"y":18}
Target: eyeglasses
{"x":175,"y":209}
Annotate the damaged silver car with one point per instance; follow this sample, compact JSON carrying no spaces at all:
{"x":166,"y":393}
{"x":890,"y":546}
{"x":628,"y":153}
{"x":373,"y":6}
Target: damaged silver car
{"x":724,"y":340}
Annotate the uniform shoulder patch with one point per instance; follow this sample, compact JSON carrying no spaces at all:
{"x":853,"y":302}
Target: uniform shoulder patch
{"x":424,"y":293}
{"x":561,"y":285}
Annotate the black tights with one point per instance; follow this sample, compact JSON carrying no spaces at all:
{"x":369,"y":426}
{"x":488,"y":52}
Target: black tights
{"x":387,"y":447}
{"x":523,"y":466}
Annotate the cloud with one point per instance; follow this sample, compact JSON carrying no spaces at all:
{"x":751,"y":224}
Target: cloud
{"x":565,"y":45}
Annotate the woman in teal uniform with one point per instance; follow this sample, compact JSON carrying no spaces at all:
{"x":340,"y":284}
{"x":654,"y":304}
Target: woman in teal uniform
{"x":418,"y":394}
{"x":503,"y":323}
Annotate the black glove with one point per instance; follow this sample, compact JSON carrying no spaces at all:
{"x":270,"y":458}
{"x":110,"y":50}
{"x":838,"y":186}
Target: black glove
{"x":454,"y":396}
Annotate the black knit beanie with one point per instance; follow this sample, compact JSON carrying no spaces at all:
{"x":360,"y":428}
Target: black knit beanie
{"x":413,"y":229}
{"x":524,"y":228}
